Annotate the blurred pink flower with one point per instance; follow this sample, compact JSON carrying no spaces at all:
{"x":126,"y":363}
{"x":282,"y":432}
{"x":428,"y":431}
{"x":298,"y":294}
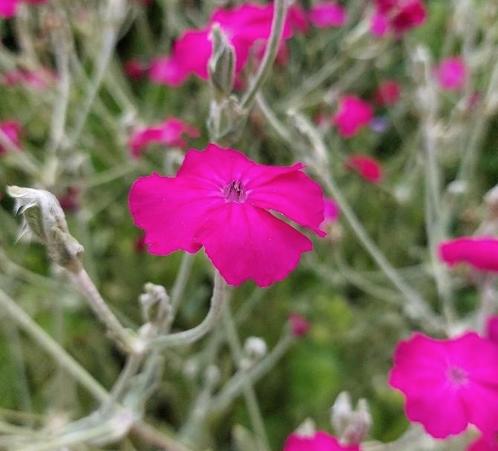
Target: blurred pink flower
{"x":379,"y":25}
{"x":352,"y":115}
{"x":326,"y":14}
{"x":448,"y":384}
{"x":70,"y":200}
{"x":11,"y":131}
{"x":331,"y":210}
{"x":299,"y":325}
{"x":319,"y":441}
{"x":221,"y":200}
{"x":8,"y":8}
{"x":492,"y":329}
{"x":135,"y":69}
{"x":487,"y":442}
{"x":387,"y":93}
{"x":169,"y":133}
{"x":452,"y":74}
{"x":367,"y":167}
{"x":244,"y":25}
{"x":401,"y":16}
{"x":34,"y":79}
{"x":480,"y":252}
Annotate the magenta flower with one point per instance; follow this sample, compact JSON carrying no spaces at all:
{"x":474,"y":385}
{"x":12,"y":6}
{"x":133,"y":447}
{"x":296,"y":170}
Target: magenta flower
{"x":352,"y":115}
{"x":327,"y":14}
{"x":401,"y":15}
{"x":222,"y":201}
{"x":11,"y":131}
{"x":331,"y":210}
{"x":452,"y":74}
{"x":169,"y":133}
{"x":8,"y":8}
{"x":244,"y":26}
{"x":379,"y":25}
{"x":319,"y":441}
{"x":487,"y":442}
{"x":480,"y":252}
{"x":366,"y":167}
{"x":448,"y":384}
{"x":299,"y":325}
{"x":135,"y":69}
{"x":387,"y":93}
{"x":492,"y":329}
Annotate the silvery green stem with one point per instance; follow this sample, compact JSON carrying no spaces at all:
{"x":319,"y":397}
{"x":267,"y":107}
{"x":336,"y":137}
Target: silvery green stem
{"x":249,"y":392}
{"x":236,"y":385}
{"x":23,"y":320}
{"x":417,"y":306}
{"x":488,"y":305}
{"x":124,"y":337}
{"x":212,"y":318}
{"x":277,"y":29}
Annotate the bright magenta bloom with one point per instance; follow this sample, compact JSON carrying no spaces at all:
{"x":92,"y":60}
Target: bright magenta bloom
{"x":168,"y":133}
{"x":367,"y":167}
{"x":352,"y":115}
{"x":222,"y":201}
{"x":448,"y":384}
{"x":452,"y":74}
{"x":480,"y":252}
{"x":327,"y":14}
{"x":388,"y":93}
{"x":244,"y":26}
{"x":488,"y":442}
{"x":320,"y":441}
{"x":401,"y":15}
{"x":11,"y":131}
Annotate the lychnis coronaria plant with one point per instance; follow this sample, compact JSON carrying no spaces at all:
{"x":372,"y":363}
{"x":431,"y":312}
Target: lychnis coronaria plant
{"x":249,"y":225}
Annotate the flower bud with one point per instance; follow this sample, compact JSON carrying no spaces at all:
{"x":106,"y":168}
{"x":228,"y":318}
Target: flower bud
{"x":221,"y":66}
{"x":491,"y":200}
{"x":351,"y":425}
{"x":155,"y":303}
{"x":254,"y":350}
{"x":299,"y":325}
{"x":44,"y":220}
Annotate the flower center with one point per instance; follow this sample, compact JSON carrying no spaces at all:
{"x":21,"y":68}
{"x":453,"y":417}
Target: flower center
{"x":457,"y":376}
{"x":235,"y":191}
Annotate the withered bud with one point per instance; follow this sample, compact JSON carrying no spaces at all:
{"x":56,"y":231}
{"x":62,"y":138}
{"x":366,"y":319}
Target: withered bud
{"x":44,"y":221}
{"x":221,"y":66}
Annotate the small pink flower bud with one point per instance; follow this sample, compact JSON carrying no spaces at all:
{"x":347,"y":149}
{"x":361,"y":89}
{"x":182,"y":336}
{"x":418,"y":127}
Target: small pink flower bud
{"x":300,"y":326}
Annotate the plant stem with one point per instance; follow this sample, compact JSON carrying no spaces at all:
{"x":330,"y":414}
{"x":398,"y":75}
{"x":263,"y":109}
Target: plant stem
{"x":236,"y":385}
{"x":67,"y":362}
{"x":277,"y":30}
{"x":249,"y":392}
{"x":124,"y":337}
{"x":211,"y":319}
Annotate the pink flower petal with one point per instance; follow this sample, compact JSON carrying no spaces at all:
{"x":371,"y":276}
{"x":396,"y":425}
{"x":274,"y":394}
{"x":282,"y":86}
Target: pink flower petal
{"x":170,"y":211}
{"x":452,"y":74}
{"x":352,"y":115}
{"x":367,"y":167}
{"x":248,"y":243}
{"x":320,"y":441}
{"x":327,"y":14}
{"x":480,"y":252}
